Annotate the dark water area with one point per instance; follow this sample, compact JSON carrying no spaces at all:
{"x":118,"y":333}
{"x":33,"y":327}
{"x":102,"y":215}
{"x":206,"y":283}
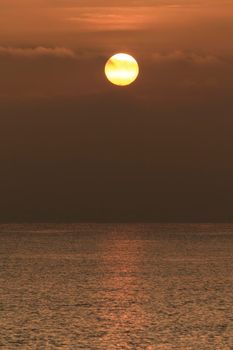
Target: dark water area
{"x":116,"y":286}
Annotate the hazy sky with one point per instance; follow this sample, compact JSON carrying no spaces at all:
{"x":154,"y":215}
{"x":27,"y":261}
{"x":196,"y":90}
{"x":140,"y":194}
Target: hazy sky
{"x":74,"y":147}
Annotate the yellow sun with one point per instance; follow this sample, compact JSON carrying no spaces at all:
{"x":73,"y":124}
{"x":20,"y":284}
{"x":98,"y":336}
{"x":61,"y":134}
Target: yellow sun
{"x":121,"y":69}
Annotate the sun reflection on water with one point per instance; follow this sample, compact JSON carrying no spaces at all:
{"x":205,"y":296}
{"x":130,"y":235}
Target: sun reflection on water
{"x":125,"y":295}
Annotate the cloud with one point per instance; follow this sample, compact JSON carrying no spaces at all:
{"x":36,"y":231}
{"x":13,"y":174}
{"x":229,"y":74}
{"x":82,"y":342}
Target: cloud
{"x":117,"y":19}
{"x":182,"y":56}
{"x":39,"y":51}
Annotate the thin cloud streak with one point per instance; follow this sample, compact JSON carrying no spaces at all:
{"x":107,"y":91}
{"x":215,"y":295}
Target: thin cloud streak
{"x":182,"y":56}
{"x":117,"y":19}
{"x":40,"y":51}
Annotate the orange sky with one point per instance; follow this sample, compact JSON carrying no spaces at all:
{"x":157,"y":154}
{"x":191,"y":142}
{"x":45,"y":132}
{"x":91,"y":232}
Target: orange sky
{"x":62,"y":32}
{"x":169,"y":133}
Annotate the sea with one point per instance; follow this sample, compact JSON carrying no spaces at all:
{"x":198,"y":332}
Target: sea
{"x":116,"y":286}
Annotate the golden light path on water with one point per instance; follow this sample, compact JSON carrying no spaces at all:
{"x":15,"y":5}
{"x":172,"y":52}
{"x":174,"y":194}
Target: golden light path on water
{"x":121,"y":69}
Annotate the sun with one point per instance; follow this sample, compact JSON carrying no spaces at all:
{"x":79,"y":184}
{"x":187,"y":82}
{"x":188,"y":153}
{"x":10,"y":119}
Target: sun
{"x":121,"y":69}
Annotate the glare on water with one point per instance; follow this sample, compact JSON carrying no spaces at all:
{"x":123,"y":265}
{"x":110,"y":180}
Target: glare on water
{"x":116,"y":286}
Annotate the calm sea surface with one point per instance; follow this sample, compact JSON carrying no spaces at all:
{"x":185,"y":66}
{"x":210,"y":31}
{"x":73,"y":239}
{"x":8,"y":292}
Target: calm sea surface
{"x":116,"y":286}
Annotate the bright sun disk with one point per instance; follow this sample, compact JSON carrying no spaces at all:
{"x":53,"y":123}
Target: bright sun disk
{"x":121,"y":69}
